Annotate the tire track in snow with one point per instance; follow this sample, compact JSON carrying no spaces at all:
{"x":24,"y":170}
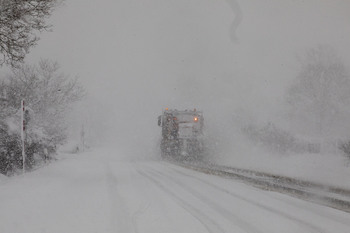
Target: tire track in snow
{"x":210,"y":225}
{"x":120,"y":220}
{"x":251,"y":202}
{"x":314,"y":192}
{"x":231,"y":217}
{"x":337,"y":219}
{"x":135,"y":216}
{"x":243,"y":225}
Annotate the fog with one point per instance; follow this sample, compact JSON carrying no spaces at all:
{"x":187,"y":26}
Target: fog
{"x":231,"y":59}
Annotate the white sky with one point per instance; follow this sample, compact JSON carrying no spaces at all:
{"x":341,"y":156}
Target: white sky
{"x":139,"y":56}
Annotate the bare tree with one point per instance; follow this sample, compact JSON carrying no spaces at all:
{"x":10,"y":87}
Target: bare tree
{"x":320,"y":97}
{"x":19,"y":19}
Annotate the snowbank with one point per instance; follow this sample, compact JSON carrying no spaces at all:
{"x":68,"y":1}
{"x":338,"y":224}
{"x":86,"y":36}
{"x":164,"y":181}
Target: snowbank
{"x":2,"y":177}
{"x":328,"y":169}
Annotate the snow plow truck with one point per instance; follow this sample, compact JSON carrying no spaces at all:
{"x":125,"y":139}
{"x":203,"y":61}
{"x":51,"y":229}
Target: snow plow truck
{"x":182,"y":134}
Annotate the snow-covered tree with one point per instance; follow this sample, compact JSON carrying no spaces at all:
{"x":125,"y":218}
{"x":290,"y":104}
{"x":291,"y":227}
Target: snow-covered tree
{"x":48,"y":96}
{"x":319,"y":98}
{"x":19,"y":19}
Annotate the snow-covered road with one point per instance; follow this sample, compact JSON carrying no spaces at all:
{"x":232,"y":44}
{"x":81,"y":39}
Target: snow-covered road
{"x":104,"y":191}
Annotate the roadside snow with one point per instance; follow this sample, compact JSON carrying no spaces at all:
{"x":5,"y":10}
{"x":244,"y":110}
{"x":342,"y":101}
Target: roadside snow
{"x":104,"y":190}
{"x":328,"y":169}
{"x":2,"y":177}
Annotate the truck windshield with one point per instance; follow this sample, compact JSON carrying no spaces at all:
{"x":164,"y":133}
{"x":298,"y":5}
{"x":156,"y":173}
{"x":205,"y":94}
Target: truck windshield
{"x":185,"y":118}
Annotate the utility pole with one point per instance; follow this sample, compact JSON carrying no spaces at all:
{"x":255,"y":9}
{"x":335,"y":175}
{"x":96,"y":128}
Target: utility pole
{"x":23,"y":128}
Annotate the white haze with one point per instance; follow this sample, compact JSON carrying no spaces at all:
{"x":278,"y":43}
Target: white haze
{"x":231,"y":59}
